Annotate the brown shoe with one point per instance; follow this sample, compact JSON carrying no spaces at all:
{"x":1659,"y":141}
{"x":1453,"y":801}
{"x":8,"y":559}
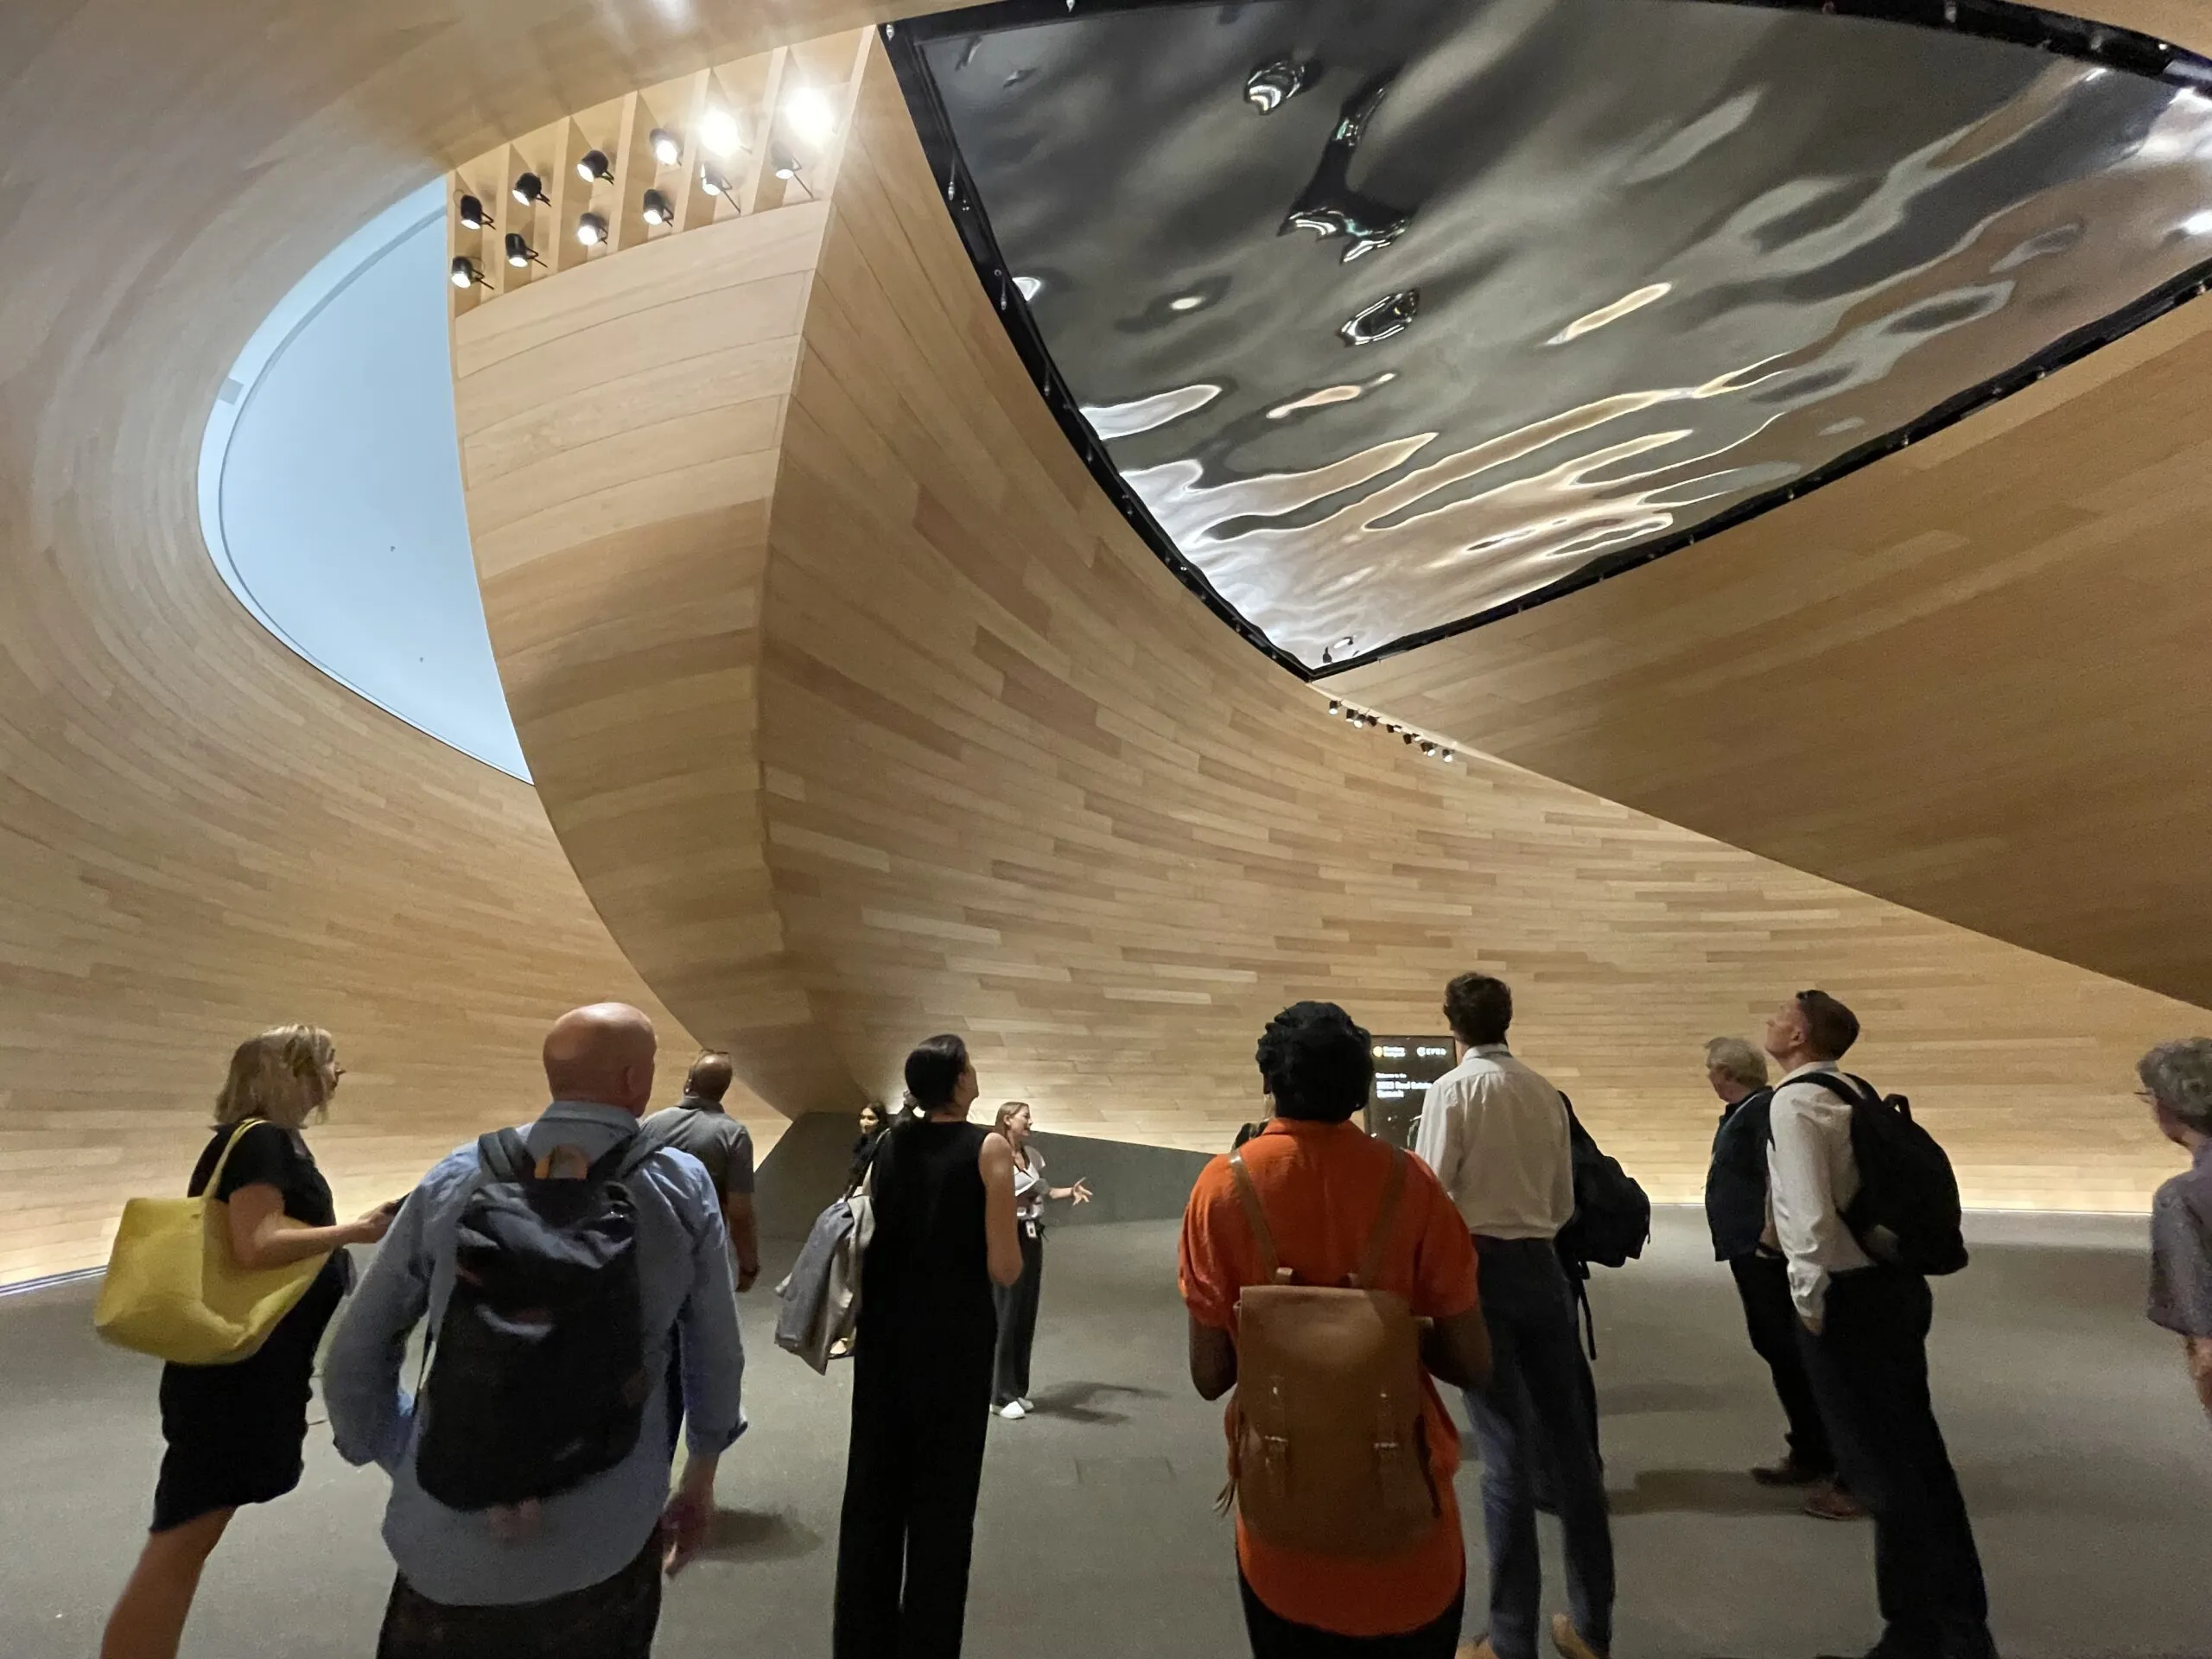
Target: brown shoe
{"x":1829,"y":1501}
{"x":1568,"y":1640}
{"x":1788,"y":1472}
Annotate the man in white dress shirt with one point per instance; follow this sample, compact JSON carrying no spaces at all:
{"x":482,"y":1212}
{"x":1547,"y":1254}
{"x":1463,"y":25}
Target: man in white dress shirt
{"x":1495,"y":1133}
{"x":1865,"y":1342}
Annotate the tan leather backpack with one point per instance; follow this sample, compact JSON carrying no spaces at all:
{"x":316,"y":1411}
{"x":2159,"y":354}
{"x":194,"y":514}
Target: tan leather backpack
{"x":1329,"y":1452}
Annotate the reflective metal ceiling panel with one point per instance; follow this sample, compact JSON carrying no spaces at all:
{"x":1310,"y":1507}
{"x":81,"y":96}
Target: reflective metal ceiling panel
{"x":1392,"y":315}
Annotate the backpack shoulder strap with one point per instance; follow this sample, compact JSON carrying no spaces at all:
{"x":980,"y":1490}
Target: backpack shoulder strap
{"x":1249,"y":1196}
{"x":625,"y":1157}
{"x":1857,"y":1091}
{"x":505,"y":1156}
{"x":1386,"y":1219}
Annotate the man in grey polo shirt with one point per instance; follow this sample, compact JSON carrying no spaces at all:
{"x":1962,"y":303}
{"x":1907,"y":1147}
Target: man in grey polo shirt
{"x":697,"y":1124}
{"x":2177,"y":1084}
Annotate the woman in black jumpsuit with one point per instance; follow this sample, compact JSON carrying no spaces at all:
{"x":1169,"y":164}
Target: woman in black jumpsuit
{"x":942,"y":1192}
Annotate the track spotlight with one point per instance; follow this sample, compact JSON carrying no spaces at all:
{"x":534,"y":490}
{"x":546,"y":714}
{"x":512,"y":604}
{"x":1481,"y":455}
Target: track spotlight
{"x":1428,"y":747}
{"x":465,"y":274}
{"x":593,"y":167}
{"x":811,"y":115}
{"x":591,"y":230}
{"x":785,"y":163}
{"x":667,"y":148}
{"x":471,"y":215}
{"x":718,"y":133}
{"x":658,"y":209}
{"x":713,"y":182}
{"x":1444,"y":755}
{"x":529,"y":187}
{"x":520,"y":252}
{"x":1335,"y":708}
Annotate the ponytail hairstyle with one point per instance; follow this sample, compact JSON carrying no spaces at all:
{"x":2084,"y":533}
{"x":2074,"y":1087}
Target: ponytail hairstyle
{"x":933,"y":1071}
{"x":284,"y":1075}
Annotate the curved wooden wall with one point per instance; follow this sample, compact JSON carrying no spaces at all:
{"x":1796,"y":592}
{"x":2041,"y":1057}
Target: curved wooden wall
{"x":1971,"y":679}
{"x":199,"y":834}
{"x":1012,"y":779}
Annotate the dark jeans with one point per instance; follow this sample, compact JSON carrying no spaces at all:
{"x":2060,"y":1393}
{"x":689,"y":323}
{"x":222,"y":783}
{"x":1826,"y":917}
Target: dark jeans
{"x":1017,"y":1305}
{"x":912,"y":1473}
{"x":1869,"y":1370}
{"x":1275,"y":1637}
{"x":1763,"y":1283}
{"x":613,"y":1619}
{"x":1535,"y":1400}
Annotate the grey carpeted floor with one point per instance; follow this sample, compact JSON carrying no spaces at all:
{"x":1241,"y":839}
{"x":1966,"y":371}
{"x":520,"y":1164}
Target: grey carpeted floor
{"x":2086,"y":1460}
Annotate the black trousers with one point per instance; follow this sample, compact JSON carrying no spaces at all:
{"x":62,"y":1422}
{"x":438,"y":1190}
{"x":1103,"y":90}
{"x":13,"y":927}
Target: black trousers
{"x":1770,"y":1318}
{"x":613,"y":1619}
{"x":1017,"y":1307}
{"x":1275,"y":1637}
{"x":1869,"y":1372}
{"x":912,"y":1473}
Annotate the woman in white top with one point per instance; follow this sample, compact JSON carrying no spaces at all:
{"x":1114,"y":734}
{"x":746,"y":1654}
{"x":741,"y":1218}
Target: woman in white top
{"x":1018,"y":1301}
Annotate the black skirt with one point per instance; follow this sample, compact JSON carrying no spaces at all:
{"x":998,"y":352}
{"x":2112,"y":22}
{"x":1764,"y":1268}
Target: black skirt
{"x":235,"y":1433}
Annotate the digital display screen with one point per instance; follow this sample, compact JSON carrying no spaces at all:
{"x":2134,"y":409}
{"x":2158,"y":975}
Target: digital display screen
{"x":1404,"y":1067}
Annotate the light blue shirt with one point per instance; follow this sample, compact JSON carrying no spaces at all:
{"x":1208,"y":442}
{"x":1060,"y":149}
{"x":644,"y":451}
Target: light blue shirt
{"x":590,"y":1532}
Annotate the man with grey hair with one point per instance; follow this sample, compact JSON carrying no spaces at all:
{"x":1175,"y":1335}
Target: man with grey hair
{"x":1736,"y":1212}
{"x":2177,"y":1084}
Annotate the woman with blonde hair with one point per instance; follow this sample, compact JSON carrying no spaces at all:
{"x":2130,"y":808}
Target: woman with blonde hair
{"x":235,"y":1432}
{"x":1017,"y":1302}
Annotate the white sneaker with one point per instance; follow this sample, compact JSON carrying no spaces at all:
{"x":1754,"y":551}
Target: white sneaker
{"x":1013,"y":1411}
{"x":1027,"y":1404}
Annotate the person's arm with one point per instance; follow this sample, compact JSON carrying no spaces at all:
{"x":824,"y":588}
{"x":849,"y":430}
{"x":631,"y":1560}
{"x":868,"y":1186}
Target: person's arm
{"x":1080,"y":1192}
{"x":1001,"y":1239}
{"x":1437,"y":1142}
{"x":1456,"y":1350}
{"x":712,"y":1348}
{"x":1805,"y":1219}
{"x":262,"y":1236}
{"x":738,"y":1215}
{"x":689,"y":1512}
{"x":744,"y":1225}
{"x":370,"y":1413}
{"x":1213,"y":1359}
{"x":2197,"y":1352}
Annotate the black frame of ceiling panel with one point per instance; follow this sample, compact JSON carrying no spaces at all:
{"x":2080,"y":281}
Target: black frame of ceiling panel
{"x":1998,"y":20}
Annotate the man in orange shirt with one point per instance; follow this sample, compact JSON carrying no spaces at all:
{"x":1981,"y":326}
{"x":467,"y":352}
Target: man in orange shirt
{"x":1321,"y":1183}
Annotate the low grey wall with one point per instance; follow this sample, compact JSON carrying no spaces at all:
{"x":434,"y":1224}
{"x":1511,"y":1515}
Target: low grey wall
{"x":806,"y":1169}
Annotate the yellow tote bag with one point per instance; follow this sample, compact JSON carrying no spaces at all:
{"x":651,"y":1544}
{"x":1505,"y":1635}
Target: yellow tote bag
{"x":173,"y":1290}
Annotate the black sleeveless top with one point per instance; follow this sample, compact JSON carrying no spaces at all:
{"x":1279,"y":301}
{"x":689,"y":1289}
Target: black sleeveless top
{"x":927,"y":1273}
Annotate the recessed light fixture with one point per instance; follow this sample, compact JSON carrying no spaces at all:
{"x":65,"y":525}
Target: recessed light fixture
{"x":2198,"y":223}
{"x":593,"y":167}
{"x":658,"y":209}
{"x":1186,"y":302}
{"x":465,"y":274}
{"x":472,"y":214}
{"x":667,"y":148}
{"x":529,"y":187}
{"x":713,"y":182}
{"x":591,"y":230}
{"x":718,"y":133}
{"x":520,"y":252}
{"x":1031,"y":287}
{"x":811,"y":114}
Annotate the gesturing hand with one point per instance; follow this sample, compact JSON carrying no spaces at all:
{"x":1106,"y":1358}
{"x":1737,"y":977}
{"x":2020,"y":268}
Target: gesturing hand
{"x":1080,"y":1192}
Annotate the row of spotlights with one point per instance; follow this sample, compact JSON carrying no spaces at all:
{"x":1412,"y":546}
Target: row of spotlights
{"x":656,"y":208}
{"x":1360,"y":717}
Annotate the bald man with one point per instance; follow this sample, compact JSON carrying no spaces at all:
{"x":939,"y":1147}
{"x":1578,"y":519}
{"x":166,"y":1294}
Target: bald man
{"x":697,"y":1124}
{"x":577,"y":1572}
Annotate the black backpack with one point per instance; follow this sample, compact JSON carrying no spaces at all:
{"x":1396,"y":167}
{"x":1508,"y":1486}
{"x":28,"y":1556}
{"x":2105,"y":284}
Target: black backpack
{"x":1907,"y":1213}
{"x":539,"y":1382}
{"x":1612,"y":1215}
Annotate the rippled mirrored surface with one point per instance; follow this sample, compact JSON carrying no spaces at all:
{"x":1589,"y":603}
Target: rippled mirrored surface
{"x":1394,"y":313}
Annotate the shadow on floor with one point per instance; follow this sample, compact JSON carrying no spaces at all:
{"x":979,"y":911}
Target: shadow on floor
{"x":1700,"y":1491}
{"x":1658,"y":1394}
{"x":1075,"y":1400}
{"x":757,"y":1535}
